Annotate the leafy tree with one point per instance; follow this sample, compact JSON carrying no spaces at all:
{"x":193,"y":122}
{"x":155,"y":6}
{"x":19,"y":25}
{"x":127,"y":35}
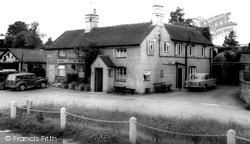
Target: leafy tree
{"x":91,"y":52}
{"x":230,"y":40}
{"x":177,"y":18}
{"x":22,"y":35}
{"x":17,"y":27}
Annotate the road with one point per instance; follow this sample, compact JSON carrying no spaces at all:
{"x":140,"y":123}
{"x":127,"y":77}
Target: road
{"x":222,"y":103}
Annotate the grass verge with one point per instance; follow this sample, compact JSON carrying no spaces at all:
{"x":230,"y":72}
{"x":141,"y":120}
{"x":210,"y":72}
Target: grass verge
{"x":89,"y":132}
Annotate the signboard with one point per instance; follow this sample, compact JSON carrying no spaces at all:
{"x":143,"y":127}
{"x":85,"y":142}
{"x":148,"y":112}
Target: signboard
{"x":71,"y":61}
{"x":220,"y":25}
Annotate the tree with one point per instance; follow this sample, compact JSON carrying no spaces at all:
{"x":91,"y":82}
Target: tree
{"x":177,"y":18}
{"x":230,"y":40}
{"x":91,"y":52}
{"x":22,"y":35}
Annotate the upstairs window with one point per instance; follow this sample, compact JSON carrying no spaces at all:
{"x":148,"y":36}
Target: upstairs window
{"x":180,"y":49}
{"x":175,"y":48}
{"x":192,"y":50}
{"x":151,"y":47}
{"x":121,"y":74}
{"x":120,"y":53}
{"x":166,"y":47}
{"x":81,"y":53}
{"x":203,"y":51}
{"x":62,"y":53}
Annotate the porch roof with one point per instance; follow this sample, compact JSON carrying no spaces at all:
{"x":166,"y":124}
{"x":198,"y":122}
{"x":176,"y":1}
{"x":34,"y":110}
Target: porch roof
{"x":108,"y":62}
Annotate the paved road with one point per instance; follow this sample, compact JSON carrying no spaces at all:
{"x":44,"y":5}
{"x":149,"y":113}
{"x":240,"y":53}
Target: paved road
{"x":222,"y":103}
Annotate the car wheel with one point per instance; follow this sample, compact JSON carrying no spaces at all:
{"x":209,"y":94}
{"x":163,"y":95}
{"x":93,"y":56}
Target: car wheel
{"x":215,"y":86}
{"x":43,"y":85}
{"x":22,"y":87}
{"x":1,"y":87}
{"x":205,"y":88}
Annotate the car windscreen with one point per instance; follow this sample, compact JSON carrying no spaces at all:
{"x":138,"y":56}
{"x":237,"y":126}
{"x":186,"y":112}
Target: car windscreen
{"x":11,"y":77}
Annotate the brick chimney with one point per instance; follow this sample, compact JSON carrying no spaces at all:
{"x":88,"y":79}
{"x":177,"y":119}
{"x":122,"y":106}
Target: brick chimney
{"x":158,"y":15}
{"x":91,"y":20}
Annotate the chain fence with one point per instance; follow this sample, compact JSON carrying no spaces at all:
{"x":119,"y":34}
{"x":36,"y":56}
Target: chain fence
{"x":37,"y":110}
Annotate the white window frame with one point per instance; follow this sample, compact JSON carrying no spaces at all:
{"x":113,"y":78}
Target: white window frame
{"x":62,"y":53}
{"x":61,"y":70}
{"x":175,"y":48}
{"x":146,"y":75}
{"x":180,"y":49}
{"x":192,"y":50}
{"x":151,"y":47}
{"x":121,"y":74}
{"x":192,"y":70}
{"x":203,"y":51}
{"x":166,"y":47}
{"x":120,"y":53}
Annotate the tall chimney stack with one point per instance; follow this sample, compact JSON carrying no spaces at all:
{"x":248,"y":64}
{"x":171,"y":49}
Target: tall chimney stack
{"x":158,"y":15}
{"x":91,"y":19}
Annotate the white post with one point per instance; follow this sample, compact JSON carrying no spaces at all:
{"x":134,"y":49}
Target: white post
{"x":63,"y":117}
{"x":13,"y":110}
{"x":231,"y":137}
{"x":29,"y":105}
{"x":132,"y":130}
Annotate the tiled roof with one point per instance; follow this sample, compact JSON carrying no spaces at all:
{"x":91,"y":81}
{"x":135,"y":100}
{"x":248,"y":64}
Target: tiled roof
{"x":181,"y":33}
{"x":120,"y":35}
{"x":29,"y":55}
{"x":107,"y":61}
{"x":130,"y":34}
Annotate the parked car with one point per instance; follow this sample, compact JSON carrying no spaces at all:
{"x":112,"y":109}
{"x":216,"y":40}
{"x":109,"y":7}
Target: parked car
{"x":3,"y":76}
{"x":200,"y":80}
{"x":23,"y":81}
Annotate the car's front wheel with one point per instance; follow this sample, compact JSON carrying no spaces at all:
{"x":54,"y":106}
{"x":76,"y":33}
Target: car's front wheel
{"x":22,"y":87}
{"x":43,"y":85}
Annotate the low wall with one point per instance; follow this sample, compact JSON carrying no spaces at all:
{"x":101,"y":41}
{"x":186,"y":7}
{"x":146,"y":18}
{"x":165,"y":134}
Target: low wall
{"x":244,"y":90}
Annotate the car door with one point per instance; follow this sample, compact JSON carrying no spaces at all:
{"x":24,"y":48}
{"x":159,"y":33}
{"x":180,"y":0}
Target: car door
{"x":32,"y":80}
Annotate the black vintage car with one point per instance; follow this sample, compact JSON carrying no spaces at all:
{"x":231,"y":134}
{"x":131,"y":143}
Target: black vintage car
{"x":3,"y":76}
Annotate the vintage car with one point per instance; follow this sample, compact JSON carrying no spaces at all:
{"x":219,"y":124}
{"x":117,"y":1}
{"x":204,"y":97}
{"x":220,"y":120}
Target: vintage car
{"x":22,"y":81}
{"x":200,"y":80}
{"x":3,"y":76}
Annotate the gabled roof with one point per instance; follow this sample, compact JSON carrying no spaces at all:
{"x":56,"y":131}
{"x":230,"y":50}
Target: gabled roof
{"x":107,"y":61}
{"x":181,"y":33}
{"x":29,"y":55}
{"x":130,"y":34}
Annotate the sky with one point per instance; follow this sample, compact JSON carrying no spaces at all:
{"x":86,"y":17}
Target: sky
{"x":58,"y":16}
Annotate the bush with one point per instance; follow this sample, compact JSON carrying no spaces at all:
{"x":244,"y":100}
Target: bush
{"x":72,"y":77}
{"x":247,"y":75}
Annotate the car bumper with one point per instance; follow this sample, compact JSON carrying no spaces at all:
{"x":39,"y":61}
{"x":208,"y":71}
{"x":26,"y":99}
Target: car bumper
{"x":193,"y":87}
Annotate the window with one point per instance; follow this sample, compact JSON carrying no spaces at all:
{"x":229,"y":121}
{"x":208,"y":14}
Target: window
{"x":180,"y":49}
{"x":192,"y":50}
{"x":161,"y":74}
{"x":175,"y":48}
{"x":166,"y":47}
{"x":121,"y":74}
{"x":151,"y":45}
{"x":192,"y":71}
{"x":110,"y":72}
{"x":61,"y":70}
{"x":120,"y":53}
{"x":146,"y":75}
{"x":62,"y":53}
{"x":81,"y":53}
{"x":203,"y":51}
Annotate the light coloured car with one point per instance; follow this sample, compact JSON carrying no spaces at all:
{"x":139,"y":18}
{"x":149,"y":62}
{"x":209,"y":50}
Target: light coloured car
{"x":201,"y":80}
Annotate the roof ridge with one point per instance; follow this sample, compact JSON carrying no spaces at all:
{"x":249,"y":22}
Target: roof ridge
{"x":124,"y":25}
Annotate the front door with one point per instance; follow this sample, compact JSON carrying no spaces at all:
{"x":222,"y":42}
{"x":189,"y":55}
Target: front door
{"x":98,"y":79}
{"x":179,"y":82}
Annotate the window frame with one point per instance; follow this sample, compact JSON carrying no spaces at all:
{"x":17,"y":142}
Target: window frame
{"x":146,"y":75}
{"x":61,"y":53}
{"x":120,"y":53}
{"x":180,"y":49}
{"x":176,"y":48}
{"x":151,"y":47}
{"x":203,"y":51}
{"x":192,"y":50}
{"x":63,"y":73}
{"x":192,"y":70}
{"x":121,"y":74}
{"x":166,"y":47}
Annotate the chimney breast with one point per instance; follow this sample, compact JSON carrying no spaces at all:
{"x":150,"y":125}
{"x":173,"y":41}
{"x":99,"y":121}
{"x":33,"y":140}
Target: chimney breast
{"x":91,"y":20}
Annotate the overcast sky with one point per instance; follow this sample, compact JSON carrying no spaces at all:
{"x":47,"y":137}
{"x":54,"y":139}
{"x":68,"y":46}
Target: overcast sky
{"x":57,"y":16}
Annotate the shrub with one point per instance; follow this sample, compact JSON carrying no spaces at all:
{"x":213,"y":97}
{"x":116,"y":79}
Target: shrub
{"x":247,"y":75}
{"x":72,"y":77}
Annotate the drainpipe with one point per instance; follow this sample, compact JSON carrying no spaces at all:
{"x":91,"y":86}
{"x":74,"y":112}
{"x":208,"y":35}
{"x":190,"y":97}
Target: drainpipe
{"x":186,"y":58}
{"x":159,"y":44}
